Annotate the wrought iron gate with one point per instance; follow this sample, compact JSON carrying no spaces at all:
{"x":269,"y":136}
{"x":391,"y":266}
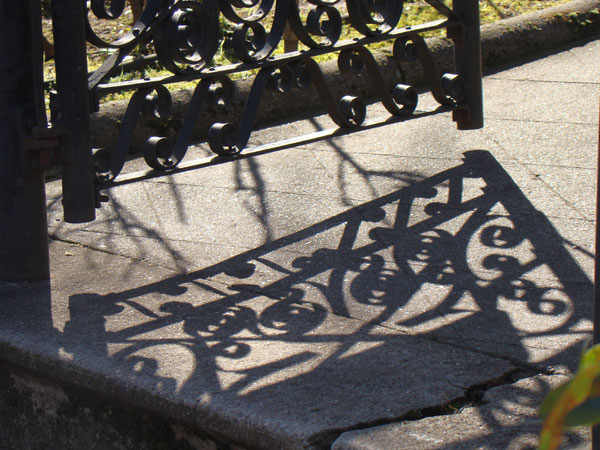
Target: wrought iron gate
{"x":187,"y":35}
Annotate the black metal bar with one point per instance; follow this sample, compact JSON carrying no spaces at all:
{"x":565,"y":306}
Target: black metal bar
{"x":207,"y":161}
{"x":467,"y":59}
{"x":277,"y":60}
{"x":79,"y":195}
{"x":442,"y":8}
{"x":23,"y":226}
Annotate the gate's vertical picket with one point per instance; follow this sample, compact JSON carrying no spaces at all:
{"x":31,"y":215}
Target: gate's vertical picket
{"x":73,"y":111}
{"x":467,"y":60}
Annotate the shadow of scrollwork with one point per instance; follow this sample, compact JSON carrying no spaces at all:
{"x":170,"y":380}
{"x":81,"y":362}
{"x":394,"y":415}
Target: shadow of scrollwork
{"x":452,"y":268}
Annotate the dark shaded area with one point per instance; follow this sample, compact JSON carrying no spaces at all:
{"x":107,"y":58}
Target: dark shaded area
{"x":37,"y":413}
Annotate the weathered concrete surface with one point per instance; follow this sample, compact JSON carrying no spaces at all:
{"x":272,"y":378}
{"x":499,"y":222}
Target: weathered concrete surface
{"x":265,"y":370}
{"x":402,"y":266}
{"x":507,"y":418}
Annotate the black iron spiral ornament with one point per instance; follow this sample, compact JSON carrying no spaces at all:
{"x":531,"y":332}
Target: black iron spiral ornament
{"x":223,"y":138}
{"x":448,"y":88}
{"x":374,"y":17}
{"x":188,"y":34}
{"x":159,"y":153}
{"x":114,"y":11}
{"x":156,"y":102}
{"x":403,"y":98}
{"x":188,"y":39}
{"x":250,"y":41}
{"x":249,"y":10}
{"x":116,"y":8}
{"x":323,"y":25}
{"x":347,"y":112}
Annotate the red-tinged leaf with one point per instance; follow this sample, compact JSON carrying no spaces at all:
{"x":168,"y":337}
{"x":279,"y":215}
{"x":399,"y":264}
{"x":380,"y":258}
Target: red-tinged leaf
{"x":549,"y":440}
{"x":573,"y":403}
{"x":595,"y":390}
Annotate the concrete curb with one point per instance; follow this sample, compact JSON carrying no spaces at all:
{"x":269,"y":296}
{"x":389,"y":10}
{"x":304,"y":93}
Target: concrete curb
{"x":504,"y":419}
{"x":503,"y":43}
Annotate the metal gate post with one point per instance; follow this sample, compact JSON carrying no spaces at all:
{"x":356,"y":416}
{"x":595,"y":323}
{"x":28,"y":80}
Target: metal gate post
{"x":467,"y":61}
{"x":73,"y":110}
{"x":23,"y":223}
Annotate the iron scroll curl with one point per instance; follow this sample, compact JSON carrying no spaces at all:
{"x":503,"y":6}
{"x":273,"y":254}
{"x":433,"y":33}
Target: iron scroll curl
{"x":374,"y":17}
{"x":154,"y":11}
{"x":188,"y":39}
{"x":250,"y":41}
{"x":322,"y":27}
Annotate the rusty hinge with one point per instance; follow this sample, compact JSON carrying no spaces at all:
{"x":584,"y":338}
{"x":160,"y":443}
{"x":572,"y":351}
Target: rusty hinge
{"x":41,"y":148}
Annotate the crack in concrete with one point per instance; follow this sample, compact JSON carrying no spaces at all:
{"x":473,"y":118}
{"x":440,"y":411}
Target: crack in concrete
{"x":473,"y":396}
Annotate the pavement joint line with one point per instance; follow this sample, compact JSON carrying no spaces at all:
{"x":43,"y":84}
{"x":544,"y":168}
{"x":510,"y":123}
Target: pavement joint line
{"x":578,"y":248}
{"x":549,"y":122}
{"x":518,"y":364}
{"x":556,"y":166}
{"x":107,"y":251}
{"x":534,"y":175}
{"x":534,"y":80}
{"x":55,"y":237}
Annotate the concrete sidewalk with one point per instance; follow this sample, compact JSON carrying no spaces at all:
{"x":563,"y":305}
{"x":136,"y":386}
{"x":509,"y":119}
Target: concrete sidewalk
{"x":404,"y":286}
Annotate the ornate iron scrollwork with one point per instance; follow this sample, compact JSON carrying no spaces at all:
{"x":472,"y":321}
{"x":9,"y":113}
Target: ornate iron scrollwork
{"x":188,"y":35}
{"x":323,"y":22}
{"x":374,"y":17}
{"x":187,"y":40}
{"x":250,"y":41}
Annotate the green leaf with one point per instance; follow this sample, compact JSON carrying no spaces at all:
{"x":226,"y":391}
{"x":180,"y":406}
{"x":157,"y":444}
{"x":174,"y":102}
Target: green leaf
{"x":553,"y":398}
{"x":591,"y":357}
{"x":549,"y":440}
{"x":588,"y":414}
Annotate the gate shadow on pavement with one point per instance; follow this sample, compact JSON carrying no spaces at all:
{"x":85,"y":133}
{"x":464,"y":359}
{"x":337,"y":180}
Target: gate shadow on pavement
{"x":442,"y":286}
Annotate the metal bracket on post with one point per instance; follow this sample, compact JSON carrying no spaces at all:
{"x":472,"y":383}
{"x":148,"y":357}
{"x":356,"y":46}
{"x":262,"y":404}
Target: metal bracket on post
{"x":41,"y":148}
